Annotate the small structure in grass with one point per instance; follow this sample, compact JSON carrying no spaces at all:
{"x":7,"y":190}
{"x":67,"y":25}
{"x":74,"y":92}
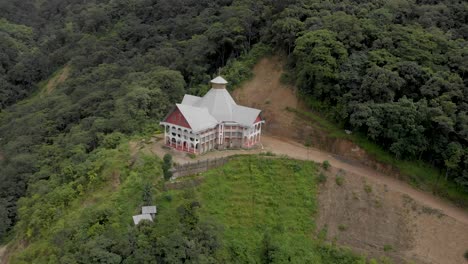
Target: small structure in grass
{"x":151,"y":210}
{"x":147,"y":213}
{"x":138,"y":218}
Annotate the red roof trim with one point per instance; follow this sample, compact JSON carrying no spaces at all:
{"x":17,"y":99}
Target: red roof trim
{"x":177,"y":118}
{"x":259,"y":119}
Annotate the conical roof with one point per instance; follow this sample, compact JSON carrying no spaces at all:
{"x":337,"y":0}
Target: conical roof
{"x":219,"y":103}
{"x":219,"y":80}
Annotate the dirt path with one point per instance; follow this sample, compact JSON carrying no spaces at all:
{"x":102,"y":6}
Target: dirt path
{"x":3,"y":257}
{"x":58,"y":79}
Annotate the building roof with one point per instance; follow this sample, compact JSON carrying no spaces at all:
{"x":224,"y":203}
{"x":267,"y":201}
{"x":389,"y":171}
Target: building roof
{"x":138,"y":218}
{"x":190,"y":99}
{"x":245,"y":115}
{"x":215,"y":107}
{"x":197,"y":117}
{"x":148,"y":210}
{"x":219,"y":80}
{"x":219,"y":103}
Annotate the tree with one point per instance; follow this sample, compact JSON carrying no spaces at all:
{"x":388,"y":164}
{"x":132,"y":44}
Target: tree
{"x":452,"y":156}
{"x":379,"y":85}
{"x":318,"y":55}
{"x":167,"y":165}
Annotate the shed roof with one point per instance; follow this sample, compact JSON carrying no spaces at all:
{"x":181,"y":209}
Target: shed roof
{"x":138,"y":218}
{"x":148,"y":209}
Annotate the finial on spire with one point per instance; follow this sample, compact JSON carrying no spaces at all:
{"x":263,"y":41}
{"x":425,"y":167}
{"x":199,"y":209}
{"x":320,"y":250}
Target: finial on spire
{"x":218,"y":83}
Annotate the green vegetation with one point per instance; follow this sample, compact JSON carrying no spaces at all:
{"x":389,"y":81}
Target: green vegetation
{"x":326,"y":164}
{"x":387,"y":248}
{"x":393,"y":71}
{"x":367,"y":188}
{"x":266,"y":207}
{"x":253,"y":209}
{"x":339,"y":180}
{"x":167,"y":165}
{"x":417,"y":173}
{"x":322,"y":178}
{"x":386,"y":72}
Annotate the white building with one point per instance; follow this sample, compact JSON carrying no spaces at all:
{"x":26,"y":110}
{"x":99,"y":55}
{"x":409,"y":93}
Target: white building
{"x":200,"y":124}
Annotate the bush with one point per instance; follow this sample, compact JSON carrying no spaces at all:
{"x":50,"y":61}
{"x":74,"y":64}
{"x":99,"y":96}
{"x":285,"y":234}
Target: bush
{"x":111,"y":141}
{"x":326,"y":164}
{"x":322,"y":178}
{"x":339,"y":180}
{"x":466,"y":254}
{"x":167,"y":164}
{"x":367,"y":188}
{"x":168,"y":197}
{"x":387,"y":248}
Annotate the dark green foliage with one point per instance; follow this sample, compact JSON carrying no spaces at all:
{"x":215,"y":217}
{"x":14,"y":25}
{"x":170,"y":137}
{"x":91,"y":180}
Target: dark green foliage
{"x":167,"y":165}
{"x":269,"y":248}
{"x":322,"y":178}
{"x":147,"y":194}
{"x":326,"y":164}
{"x":387,"y":71}
{"x":397,"y":73}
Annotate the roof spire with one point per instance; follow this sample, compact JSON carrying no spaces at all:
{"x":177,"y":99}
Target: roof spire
{"x":218,"y":83}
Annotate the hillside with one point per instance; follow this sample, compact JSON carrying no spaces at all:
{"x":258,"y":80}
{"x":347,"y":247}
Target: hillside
{"x":80,"y":79}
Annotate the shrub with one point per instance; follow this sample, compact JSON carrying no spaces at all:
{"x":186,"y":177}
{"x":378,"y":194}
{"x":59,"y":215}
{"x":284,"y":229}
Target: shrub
{"x":326,"y":164}
{"x":167,"y":164}
{"x":466,"y":254}
{"x":168,"y":197}
{"x":296,"y":168}
{"x":342,"y":227}
{"x":339,"y":180}
{"x":322,"y":178}
{"x":191,"y":155}
{"x":367,"y":188}
{"x":111,"y":141}
{"x":387,"y":248}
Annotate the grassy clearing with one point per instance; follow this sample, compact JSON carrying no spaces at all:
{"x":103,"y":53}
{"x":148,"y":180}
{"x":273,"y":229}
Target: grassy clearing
{"x":260,"y":202}
{"x":419,"y":174}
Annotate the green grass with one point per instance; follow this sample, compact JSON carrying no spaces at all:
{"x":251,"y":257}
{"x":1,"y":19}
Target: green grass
{"x":253,"y":196}
{"x":418,"y":173}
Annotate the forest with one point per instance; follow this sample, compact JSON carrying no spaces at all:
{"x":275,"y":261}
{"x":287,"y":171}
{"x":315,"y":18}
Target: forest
{"x":396,"y":71}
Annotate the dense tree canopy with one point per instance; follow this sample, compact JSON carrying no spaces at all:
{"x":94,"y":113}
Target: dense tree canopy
{"x":397,"y":71}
